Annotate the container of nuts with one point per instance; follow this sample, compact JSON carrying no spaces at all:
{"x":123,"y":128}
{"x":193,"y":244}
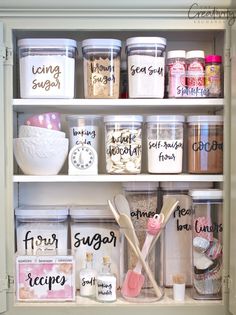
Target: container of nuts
{"x":123,"y":144}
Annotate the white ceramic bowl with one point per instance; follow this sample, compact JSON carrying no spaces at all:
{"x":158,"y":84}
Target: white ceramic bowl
{"x":32,"y":131}
{"x":40,"y":156}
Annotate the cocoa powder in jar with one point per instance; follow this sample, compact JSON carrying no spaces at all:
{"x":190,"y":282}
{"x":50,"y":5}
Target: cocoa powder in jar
{"x":205,"y":148}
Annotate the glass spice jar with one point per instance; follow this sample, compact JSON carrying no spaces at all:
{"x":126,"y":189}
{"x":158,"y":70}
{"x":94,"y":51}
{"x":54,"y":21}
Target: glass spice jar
{"x":176,"y":64}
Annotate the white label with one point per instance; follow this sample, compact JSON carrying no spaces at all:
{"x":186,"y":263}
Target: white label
{"x":106,"y":288}
{"x":88,"y":283}
{"x":86,"y":135}
{"x":47,"y":76}
{"x":165,"y":156}
{"x":146,"y":76}
{"x":42,"y":239}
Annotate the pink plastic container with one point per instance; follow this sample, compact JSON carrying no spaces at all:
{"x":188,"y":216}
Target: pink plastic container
{"x":45,"y":120}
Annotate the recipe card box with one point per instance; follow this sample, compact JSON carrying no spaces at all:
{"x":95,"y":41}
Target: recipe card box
{"x":45,"y":278}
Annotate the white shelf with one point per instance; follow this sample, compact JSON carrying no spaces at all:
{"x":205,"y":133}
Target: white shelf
{"x":89,"y":105}
{"x":119,"y":178}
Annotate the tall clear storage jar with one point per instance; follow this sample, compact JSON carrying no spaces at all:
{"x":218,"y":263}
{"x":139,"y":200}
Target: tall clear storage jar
{"x":41,"y":230}
{"x":146,"y":66}
{"x":143,"y":202}
{"x":93,"y":229}
{"x":123,"y":144}
{"x":165,"y":143}
{"x":47,"y":67}
{"x":205,"y":144}
{"x":176,"y":65}
{"x":101,"y":67}
{"x":178,"y":231}
{"x":207,"y":243}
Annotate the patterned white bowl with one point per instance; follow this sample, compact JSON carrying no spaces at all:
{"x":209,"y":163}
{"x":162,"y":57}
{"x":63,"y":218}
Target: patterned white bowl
{"x":32,"y":131}
{"x":40,"y":156}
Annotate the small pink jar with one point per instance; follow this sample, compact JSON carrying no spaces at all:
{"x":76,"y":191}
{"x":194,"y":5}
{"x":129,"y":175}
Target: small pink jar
{"x":45,"y":120}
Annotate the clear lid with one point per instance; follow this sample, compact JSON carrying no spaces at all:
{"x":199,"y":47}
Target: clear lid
{"x":42,"y":212}
{"x":91,"y":212}
{"x":212,"y":194}
{"x":146,"y":41}
{"x":164,"y":118}
{"x":176,"y":54}
{"x":195,"y":54}
{"x":101,"y":42}
{"x":140,"y":186}
{"x":46,"y":42}
{"x":211,"y":119}
{"x":185,"y":185}
{"x":123,"y":118}
{"x":83,"y":119}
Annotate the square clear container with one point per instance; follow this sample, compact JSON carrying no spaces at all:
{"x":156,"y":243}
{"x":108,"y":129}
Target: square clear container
{"x":42,"y":230}
{"x":207,"y":243}
{"x":47,"y":67}
{"x":93,"y":229}
{"x":101,"y":67}
{"x":146,"y":66}
{"x":123,"y":144}
{"x":178,"y":231}
{"x":205,"y":144}
{"x":165,"y":143}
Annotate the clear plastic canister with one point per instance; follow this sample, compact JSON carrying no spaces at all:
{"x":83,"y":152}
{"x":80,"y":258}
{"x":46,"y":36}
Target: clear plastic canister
{"x":146,"y":66}
{"x":165,"y":143}
{"x":47,"y":67}
{"x":176,"y":65}
{"x":205,"y":144}
{"x":143,"y":202}
{"x":101,"y":67}
{"x":207,"y":243}
{"x":84,"y":129}
{"x":178,"y":231}
{"x":123,"y":144}
{"x":41,"y":230}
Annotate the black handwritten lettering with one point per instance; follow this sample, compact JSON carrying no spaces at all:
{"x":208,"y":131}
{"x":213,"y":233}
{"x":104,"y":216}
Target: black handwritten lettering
{"x":47,"y":280}
{"x":95,"y":241}
{"x":207,"y":146}
{"x":132,"y":151}
{"x":208,"y":228}
{"x":39,"y":240}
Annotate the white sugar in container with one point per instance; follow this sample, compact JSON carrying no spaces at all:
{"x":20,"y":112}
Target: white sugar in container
{"x":146,"y":66}
{"x":47,"y":67}
{"x":41,"y":230}
{"x":93,"y":229}
{"x":165,"y":143}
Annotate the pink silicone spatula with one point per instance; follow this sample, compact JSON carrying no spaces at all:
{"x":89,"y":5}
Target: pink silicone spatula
{"x":134,"y":280}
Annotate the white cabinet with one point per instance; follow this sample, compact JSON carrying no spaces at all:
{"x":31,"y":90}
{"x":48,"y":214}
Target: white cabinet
{"x":17,"y":189}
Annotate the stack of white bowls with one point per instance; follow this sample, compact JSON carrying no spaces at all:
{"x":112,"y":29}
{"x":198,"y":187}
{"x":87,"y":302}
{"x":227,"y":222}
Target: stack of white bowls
{"x":40,"y":151}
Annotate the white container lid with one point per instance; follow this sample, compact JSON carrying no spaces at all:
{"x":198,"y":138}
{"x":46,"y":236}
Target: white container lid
{"x":42,"y":212}
{"x":145,"y":41}
{"x":140,"y":186}
{"x":164,"y":118}
{"x":101,"y":42}
{"x":185,"y":185}
{"x":46,"y":42}
{"x":91,"y":212}
{"x":205,"y":119}
{"x":214,"y":194}
{"x":176,"y":54}
{"x":123,"y":118}
{"x":195,"y":54}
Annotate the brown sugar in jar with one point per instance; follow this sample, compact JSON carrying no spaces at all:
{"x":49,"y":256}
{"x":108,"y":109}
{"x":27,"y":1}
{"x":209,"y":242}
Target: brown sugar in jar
{"x":205,"y":144}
